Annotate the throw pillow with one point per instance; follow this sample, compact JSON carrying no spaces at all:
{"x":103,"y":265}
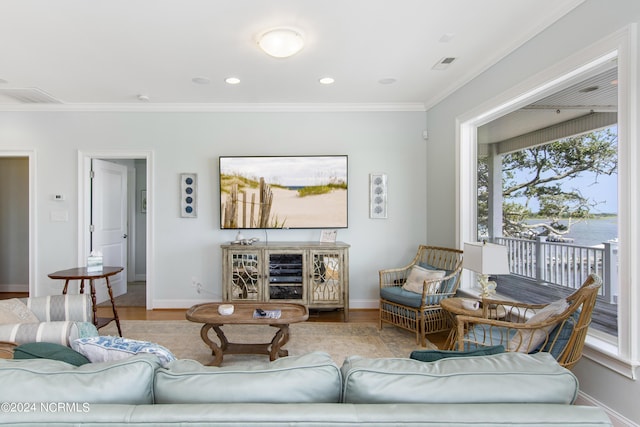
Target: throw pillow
{"x":418,"y":275}
{"x":48,"y":350}
{"x":433,"y":355}
{"x":525,"y":341}
{"x":15,"y":311}
{"x":107,"y":348}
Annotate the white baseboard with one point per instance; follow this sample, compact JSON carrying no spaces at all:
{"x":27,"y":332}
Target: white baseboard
{"x":14,"y":288}
{"x":180,"y":304}
{"x":364,"y":303}
{"x":171,"y":303}
{"x":617,"y":419}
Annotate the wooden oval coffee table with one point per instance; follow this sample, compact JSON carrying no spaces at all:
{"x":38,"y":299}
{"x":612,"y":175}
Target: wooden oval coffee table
{"x":207,"y":313}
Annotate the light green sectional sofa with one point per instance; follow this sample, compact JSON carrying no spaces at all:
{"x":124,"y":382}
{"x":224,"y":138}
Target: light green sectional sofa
{"x":310,"y":390}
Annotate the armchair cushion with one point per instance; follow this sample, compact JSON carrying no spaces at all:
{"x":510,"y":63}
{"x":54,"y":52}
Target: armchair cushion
{"x":15,"y":311}
{"x":418,"y":275}
{"x":433,"y":355}
{"x":481,"y":335}
{"x":560,"y":335}
{"x":446,"y":286}
{"x":530,"y":339}
{"x":47,"y":350}
{"x":398,"y":295}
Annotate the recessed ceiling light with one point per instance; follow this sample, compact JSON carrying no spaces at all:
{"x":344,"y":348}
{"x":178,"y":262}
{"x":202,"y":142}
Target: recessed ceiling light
{"x":232,"y":80}
{"x":201,"y":80}
{"x":281,"y":42}
{"x":387,"y":81}
{"x":327,"y":80}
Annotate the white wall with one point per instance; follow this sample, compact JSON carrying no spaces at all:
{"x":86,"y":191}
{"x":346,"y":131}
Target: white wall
{"x":591,"y":22}
{"x":389,"y":142}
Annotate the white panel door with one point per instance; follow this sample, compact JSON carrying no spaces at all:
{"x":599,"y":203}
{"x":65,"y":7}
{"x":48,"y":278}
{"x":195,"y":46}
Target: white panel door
{"x":109,"y":220}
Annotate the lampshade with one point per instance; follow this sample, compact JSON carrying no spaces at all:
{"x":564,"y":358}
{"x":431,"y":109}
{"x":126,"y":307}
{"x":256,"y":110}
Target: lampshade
{"x":486,"y":258}
{"x":281,"y":42}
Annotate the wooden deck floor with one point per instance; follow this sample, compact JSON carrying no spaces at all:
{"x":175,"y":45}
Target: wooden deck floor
{"x":604,"y":317}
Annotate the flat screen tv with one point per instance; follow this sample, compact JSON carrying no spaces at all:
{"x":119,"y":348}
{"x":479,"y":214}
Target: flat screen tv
{"x":275,"y":192}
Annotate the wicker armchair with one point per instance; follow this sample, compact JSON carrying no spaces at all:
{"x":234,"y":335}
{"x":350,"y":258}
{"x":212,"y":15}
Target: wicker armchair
{"x":525,"y":329}
{"x":420,"y":312}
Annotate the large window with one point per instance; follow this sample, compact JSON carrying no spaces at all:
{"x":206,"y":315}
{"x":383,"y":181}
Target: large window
{"x":619,"y":353}
{"x":559,"y":212}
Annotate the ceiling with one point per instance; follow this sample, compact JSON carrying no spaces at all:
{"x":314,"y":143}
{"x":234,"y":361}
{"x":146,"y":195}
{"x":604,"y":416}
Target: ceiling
{"x":104,"y":54}
{"x":596,"y":92}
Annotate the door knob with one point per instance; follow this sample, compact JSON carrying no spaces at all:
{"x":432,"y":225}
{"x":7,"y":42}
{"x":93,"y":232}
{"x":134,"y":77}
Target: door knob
{"x":124,"y":236}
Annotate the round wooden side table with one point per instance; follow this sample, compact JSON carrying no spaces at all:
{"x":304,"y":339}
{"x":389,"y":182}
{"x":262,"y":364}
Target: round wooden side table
{"x":82,"y":274}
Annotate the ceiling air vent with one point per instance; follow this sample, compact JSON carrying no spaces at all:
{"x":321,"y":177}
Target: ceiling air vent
{"x":27,"y":96}
{"x":443,"y":63}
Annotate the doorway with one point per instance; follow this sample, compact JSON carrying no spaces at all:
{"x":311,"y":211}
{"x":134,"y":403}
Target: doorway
{"x":137,"y":286}
{"x":17,"y":236}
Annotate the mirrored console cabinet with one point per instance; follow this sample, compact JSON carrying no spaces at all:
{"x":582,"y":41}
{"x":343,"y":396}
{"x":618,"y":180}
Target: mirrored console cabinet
{"x":310,"y":273}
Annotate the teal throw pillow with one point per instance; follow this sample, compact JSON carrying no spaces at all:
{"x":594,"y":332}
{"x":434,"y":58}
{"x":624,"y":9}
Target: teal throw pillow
{"x":433,"y":355}
{"x":47,"y":350}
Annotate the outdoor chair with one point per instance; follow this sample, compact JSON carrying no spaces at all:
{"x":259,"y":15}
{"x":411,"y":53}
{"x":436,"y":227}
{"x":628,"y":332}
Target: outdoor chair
{"x":410,"y":296}
{"x":559,"y":328}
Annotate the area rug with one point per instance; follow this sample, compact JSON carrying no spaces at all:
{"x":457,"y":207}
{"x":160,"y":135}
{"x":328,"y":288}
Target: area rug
{"x":338,"y":339}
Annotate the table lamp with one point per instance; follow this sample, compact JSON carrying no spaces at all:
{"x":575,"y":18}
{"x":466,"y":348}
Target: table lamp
{"x":485,"y":259}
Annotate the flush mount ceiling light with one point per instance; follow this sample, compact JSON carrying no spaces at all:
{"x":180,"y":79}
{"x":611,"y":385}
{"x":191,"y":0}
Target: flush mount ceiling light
{"x":232,"y":80}
{"x":281,"y":42}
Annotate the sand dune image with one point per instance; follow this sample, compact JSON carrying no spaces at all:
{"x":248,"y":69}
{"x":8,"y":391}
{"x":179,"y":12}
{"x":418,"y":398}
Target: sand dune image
{"x":298,"y":191}
{"x":289,"y":210}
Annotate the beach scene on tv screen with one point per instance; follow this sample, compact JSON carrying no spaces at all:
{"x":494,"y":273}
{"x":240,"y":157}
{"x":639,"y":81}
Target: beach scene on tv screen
{"x":283,"y":192}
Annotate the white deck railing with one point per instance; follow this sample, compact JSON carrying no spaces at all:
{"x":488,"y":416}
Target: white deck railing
{"x":564,"y":264}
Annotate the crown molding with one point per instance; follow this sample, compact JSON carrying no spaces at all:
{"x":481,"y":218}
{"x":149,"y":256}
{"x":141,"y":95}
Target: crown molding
{"x":219,"y":108}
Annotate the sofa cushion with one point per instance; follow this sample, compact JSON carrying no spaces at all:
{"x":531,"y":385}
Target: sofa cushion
{"x":56,"y":332}
{"x":76,"y":307}
{"x":47,"y":350}
{"x":312,"y":377}
{"x":127,"y":381}
{"x":107,"y":348}
{"x":433,"y":355}
{"x":498,"y":378}
{"x":15,"y":311}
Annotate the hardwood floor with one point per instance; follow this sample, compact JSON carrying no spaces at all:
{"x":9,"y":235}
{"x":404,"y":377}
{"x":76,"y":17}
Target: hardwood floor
{"x":141,"y":313}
